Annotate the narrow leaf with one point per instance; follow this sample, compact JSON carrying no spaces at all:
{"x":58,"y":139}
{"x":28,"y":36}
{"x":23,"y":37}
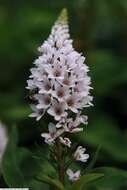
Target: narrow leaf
{"x":93,"y":161}
{"x":114,"y":178}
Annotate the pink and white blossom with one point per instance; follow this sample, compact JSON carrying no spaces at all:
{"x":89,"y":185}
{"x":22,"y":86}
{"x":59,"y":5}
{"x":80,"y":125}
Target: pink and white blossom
{"x":80,"y":155}
{"x":65,"y":141}
{"x":52,"y":135}
{"x":37,"y":113}
{"x":73,"y":176}
{"x":57,"y":110}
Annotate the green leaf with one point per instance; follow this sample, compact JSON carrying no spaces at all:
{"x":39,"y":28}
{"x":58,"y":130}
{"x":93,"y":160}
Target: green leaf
{"x":17,"y":112}
{"x":113,"y":178}
{"x":103,"y":131}
{"x":19,"y":167}
{"x":86,"y":179}
{"x":101,"y":63}
{"x":93,"y":161}
{"x":52,"y":182}
{"x":10,"y":169}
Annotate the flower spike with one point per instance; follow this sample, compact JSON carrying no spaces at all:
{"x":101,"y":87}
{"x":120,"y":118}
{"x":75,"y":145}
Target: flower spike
{"x":62,"y":89}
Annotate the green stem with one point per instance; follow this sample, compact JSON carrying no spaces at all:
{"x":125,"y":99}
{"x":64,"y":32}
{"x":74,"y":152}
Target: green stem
{"x":61,"y":171}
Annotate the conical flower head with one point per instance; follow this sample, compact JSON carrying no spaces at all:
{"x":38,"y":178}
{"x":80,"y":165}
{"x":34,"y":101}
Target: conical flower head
{"x":59,"y":78}
{"x":59,"y":36}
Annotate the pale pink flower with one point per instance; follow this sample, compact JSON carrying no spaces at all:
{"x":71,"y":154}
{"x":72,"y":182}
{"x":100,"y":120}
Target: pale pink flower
{"x":73,"y":176}
{"x":73,"y":103}
{"x":57,"y":110}
{"x":50,"y":137}
{"x":44,"y":101}
{"x":60,"y":92}
{"x":80,"y":155}
{"x":45,"y":87}
{"x":65,"y":141}
{"x":56,"y":71}
{"x":53,"y":134}
{"x":72,"y":127}
{"x":37,"y":113}
{"x":68,"y":80}
{"x":81,"y":119}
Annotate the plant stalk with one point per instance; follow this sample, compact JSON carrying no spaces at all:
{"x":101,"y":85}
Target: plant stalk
{"x":61,"y":168}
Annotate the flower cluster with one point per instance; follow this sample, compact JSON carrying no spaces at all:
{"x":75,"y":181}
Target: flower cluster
{"x":61,"y":88}
{"x":59,"y":76}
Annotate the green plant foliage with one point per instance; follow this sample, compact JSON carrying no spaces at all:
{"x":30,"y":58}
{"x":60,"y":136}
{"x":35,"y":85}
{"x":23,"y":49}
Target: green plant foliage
{"x":84,"y":180}
{"x":103,"y":64}
{"x":17,"y":113}
{"x":10,"y":168}
{"x":52,"y":182}
{"x":106,"y":135}
{"x":113,"y":178}
{"x":19,"y":166}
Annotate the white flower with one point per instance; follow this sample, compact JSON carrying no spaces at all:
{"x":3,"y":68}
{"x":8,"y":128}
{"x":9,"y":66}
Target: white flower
{"x":32,"y":84}
{"x":73,"y":103}
{"x":81,"y":119}
{"x":36,"y":74}
{"x":3,"y":140}
{"x":45,"y":87}
{"x":56,"y":71}
{"x":81,"y":88}
{"x":57,"y":110}
{"x":38,"y":113}
{"x":61,"y":123}
{"x":68,"y":80}
{"x":72,"y":127}
{"x":73,"y":176}
{"x":80,"y":155}
{"x":60,"y":92}
{"x":65,"y":141}
{"x":52,"y":135}
{"x":44,"y":101}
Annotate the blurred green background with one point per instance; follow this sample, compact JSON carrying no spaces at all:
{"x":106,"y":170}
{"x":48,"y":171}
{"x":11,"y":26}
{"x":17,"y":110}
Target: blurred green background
{"x":99,"y":30}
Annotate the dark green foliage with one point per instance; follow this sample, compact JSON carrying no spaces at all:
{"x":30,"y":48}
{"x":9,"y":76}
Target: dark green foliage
{"x":86,"y":179}
{"x":19,"y":167}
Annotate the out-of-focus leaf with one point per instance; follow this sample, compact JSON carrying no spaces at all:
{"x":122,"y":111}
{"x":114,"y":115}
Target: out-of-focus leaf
{"x":52,"y":182}
{"x":105,"y":133}
{"x":94,"y":159}
{"x":113,"y":178}
{"x":106,"y":71}
{"x":33,"y":18}
{"x":18,"y":113}
{"x":19,"y":167}
{"x":85,"y":179}
{"x":10,"y":168}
